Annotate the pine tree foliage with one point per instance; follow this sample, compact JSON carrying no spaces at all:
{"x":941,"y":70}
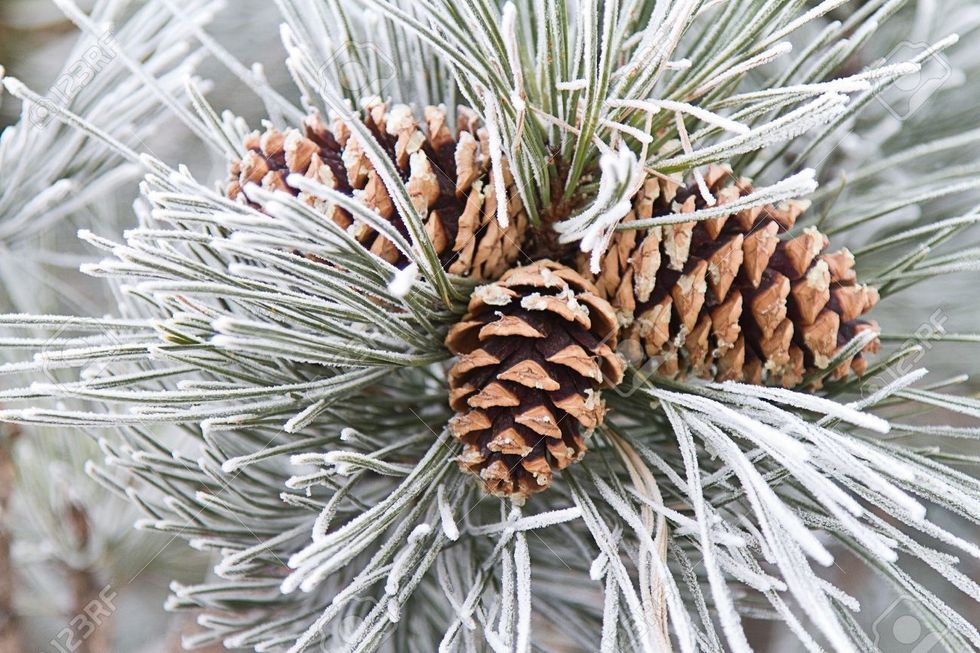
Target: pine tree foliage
{"x":313,"y":373}
{"x":51,"y":169}
{"x":66,"y":532}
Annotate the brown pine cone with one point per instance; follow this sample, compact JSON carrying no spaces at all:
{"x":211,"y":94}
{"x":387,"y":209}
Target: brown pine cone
{"x":448,"y":177}
{"x":534,"y":349}
{"x":726,"y":298}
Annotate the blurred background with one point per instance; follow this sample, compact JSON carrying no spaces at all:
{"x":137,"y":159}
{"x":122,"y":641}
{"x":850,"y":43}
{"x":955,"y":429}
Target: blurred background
{"x":66,"y":542}
{"x":67,"y":546}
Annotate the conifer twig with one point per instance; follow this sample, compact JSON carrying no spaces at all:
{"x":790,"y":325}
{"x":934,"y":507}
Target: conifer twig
{"x":11,"y":639}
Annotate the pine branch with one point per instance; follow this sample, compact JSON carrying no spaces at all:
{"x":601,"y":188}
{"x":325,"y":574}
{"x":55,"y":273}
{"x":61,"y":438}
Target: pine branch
{"x":309,"y":371}
{"x":10,"y":635}
{"x":85,"y":589}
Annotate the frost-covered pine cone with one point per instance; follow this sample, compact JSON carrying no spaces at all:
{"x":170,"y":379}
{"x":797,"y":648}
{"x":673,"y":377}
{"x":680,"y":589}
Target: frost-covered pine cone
{"x":447,"y":175}
{"x":729,"y":298}
{"x":534,"y":349}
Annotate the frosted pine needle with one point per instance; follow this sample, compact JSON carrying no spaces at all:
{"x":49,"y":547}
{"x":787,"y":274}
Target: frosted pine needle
{"x":311,"y":374}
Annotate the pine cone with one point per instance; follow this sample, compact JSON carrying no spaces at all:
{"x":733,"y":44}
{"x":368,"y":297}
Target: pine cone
{"x":726,"y":298}
{"x":449,"y":180}
{"x":533,"y":349}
